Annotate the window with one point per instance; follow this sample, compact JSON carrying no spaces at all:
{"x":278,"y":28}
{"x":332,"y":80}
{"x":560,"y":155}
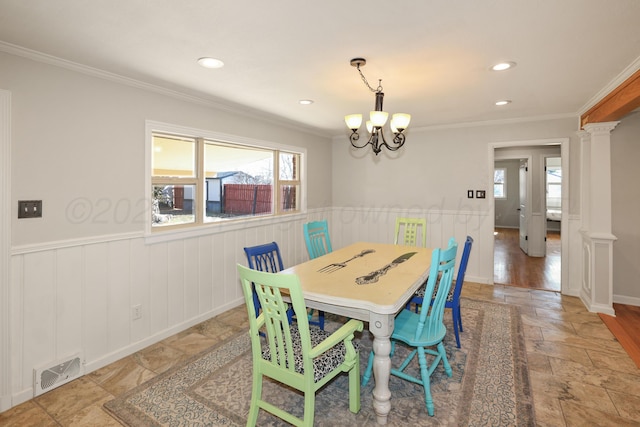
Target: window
{"x":500,"y":183}
{"x":203,"y":179}
{"x":554,"y":186}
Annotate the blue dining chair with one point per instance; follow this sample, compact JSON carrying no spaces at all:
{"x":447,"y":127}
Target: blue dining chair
{"x":453,"y":299}
{"x":318,"y":242}
{"x":424,"y":330}
{"x":265,"y":258}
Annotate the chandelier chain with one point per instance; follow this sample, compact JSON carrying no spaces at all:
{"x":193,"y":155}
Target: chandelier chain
{"x":364,"y":79}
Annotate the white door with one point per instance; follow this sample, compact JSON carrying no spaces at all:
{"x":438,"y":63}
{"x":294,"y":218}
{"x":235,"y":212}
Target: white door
{"x":523,"y":206}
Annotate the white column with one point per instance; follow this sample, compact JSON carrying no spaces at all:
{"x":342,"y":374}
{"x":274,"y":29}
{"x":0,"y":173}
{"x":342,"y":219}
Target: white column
{"x":597,"y":238}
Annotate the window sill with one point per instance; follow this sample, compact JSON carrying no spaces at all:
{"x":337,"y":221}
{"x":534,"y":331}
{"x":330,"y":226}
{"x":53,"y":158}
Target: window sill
{"x":162,"y":236}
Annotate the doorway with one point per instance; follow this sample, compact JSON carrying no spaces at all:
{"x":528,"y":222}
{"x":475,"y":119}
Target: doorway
{"x":527,"y":243}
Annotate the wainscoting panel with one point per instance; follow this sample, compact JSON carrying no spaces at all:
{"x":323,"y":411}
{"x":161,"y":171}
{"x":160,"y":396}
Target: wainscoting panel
{"x":158,"y":288}
{"x":68,"y":296}
{"x":95,"y":287}
{"x":118,"y":312}
{"x":40,"y":311}
{"x":79,"y":297}
{"x":572,"y":257}
{"x":140,"y":290}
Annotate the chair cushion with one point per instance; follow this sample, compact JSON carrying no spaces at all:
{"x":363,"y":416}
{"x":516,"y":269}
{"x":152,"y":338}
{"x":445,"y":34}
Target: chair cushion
{"x":420,"y":292}
{"x":323,"y":364}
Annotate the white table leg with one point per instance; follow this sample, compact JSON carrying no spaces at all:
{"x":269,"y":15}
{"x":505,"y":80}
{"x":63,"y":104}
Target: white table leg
{"x":381,"y":326}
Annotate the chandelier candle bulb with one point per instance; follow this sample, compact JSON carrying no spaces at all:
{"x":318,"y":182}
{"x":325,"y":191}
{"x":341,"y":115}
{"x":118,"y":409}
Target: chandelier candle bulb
{"x":378,"y":118}
{"x":353,"y":121}
{"x":400,"y":121}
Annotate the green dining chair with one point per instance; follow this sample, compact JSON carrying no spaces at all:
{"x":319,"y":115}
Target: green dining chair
{"x":425,"y":330}
{"x":408,"y":230}
{"x":318,"y":242}
{"x":293,"y":354}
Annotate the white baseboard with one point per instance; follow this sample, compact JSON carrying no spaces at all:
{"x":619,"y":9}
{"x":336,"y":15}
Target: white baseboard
{"x":476,"y":279}
{"x":622,"y":299}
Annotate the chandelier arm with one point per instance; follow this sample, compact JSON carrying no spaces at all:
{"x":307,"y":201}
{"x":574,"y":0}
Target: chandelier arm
{"x":355,"y":136}
{"x":398,"y":141}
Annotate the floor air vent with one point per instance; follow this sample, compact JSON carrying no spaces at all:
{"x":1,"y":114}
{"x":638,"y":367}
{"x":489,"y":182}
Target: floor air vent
{"x":60,"y":373}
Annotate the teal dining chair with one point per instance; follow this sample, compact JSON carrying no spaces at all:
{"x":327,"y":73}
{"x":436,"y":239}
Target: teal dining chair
{"x":318,"y":242}
{"x":316,"y":237}
{"x":424,"y":330}
{"x":293,"y":354}
{"x":453,"y":299}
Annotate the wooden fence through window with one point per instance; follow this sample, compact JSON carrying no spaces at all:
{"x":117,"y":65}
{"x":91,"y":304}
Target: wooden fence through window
{"x":251,"y":199}
{"x":247,"y":199}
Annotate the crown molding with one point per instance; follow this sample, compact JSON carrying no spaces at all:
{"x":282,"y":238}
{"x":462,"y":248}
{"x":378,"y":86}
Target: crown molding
{"x":616,"y":82}
{"x":127,"y":81}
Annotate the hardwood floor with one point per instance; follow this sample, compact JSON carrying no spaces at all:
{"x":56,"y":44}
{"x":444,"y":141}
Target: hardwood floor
{"x":625,"y":326}
{"x":514,"y":268}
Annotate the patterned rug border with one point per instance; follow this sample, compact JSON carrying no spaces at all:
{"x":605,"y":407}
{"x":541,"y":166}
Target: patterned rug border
{"x":230,"y":350}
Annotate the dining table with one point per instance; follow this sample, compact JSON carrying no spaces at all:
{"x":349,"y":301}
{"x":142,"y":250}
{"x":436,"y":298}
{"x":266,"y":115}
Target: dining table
{"x":371,"y":282}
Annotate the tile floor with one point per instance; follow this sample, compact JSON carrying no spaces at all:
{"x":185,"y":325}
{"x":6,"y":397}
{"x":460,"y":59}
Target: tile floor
{"x":580,"y":374}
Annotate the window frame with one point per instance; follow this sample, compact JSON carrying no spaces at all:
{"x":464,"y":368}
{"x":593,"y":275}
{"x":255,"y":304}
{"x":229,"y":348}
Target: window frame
{"x":503,"y":184}
{"x":201,"y":226}
{"x":552,"y":184}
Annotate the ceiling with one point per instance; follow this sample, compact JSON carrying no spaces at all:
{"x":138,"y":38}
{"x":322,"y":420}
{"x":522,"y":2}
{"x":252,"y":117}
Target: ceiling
{"x":433,"y":56}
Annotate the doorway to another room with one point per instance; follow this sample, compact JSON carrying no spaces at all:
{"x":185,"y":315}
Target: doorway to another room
{"x":528,"y":209}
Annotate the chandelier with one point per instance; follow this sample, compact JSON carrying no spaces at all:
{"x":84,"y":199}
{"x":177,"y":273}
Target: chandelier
{"x":377,"y":120}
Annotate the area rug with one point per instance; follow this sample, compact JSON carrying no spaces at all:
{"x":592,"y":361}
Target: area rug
{"x":489,"y":387}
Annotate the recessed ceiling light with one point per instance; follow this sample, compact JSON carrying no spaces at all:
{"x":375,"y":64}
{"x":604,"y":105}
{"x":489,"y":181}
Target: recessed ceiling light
{"x":503,"y":66}
{"x":503,"y":102}
{"x":210,"y":62}
{"x":305,"y":101}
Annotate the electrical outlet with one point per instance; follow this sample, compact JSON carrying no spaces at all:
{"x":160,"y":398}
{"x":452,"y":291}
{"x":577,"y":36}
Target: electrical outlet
{"x":29,"y":208}
{"x":136,"y":312}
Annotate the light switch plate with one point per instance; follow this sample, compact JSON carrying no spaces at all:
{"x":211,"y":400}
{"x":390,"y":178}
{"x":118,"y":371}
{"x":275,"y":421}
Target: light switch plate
{"x":29,"y":208}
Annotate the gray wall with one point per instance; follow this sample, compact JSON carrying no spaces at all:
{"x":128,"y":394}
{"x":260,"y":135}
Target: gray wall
{"x":625,"y":201}
{"x":77,"y":138}
{"x":430,"y":177}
